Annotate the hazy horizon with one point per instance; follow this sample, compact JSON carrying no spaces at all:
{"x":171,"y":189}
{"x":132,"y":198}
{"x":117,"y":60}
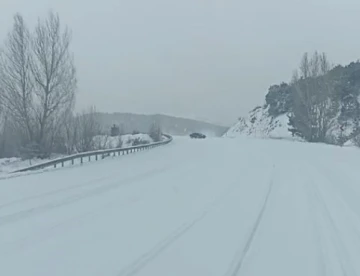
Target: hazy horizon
{"x":205,"y":60}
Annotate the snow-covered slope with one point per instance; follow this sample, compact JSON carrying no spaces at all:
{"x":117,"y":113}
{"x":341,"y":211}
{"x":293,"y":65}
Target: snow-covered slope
{"x":12,"y":164}
{"x":8,"y":165}
{"x":260,"y":124}
{"x":208,"y":207}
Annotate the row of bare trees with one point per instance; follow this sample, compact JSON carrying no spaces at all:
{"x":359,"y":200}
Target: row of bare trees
{"x":37,"y":91}
{"x":37,"y":95}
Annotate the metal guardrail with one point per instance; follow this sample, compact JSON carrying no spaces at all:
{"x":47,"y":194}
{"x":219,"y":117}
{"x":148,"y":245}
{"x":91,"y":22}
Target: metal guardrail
{"x":99,"y":154}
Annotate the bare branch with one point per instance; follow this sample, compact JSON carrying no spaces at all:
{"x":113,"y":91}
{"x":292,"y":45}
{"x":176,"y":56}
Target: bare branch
{"x":15,"y":77}
{"x":54,"y":72}
{"x":87,"y":127}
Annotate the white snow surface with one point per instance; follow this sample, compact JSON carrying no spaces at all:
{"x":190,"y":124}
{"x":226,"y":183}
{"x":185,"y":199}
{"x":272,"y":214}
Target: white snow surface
{"x":8,"y":165}
{"x":213,"y":207}
{"x":260,"y":124}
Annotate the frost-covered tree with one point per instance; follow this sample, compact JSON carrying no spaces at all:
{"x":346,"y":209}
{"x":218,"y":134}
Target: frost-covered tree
{"x":155,"y":132}
{"x":37,"y":84}
{"x":54,"y":73}
{"x":87,"y":127}
{"x":16,"y":80}
{"x":314,"y":103}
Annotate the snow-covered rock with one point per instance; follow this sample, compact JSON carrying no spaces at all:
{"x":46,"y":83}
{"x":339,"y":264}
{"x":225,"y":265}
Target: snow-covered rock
{"x":260,"y":124}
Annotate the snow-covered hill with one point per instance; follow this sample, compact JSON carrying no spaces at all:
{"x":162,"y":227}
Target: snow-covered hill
{"x":130,"y":122}
{"x":260,"y":124}
{"x":271,"y":119}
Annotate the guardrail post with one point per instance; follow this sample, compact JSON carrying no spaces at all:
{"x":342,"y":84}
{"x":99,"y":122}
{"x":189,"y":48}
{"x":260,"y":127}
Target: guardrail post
{"x":72,"y":161}
{"x":81,"y":160}
{"x":55,"y":165}
{"x":62,"y":164}
{"x":96,"y":157}
{"x":89,"y":158}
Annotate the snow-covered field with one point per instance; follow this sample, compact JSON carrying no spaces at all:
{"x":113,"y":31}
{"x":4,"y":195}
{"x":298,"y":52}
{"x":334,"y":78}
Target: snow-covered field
{"x":213,"y":207}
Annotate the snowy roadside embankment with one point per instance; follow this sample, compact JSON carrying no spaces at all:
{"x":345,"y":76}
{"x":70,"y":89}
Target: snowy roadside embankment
{"x":260,"y":124}
{"x":8,"y":165}
{"x":123,"y":141}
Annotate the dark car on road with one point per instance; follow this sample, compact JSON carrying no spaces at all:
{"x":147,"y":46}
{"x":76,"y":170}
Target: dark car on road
{"x":197,"y":135}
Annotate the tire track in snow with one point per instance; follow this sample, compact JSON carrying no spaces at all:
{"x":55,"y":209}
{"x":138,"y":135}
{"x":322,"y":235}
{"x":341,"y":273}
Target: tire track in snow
{"x":341,"y":251}
{"x":135,"y":267}
{"x":14,"y":217}
{"x":239,"y":258}
{"x":316,"y":228}
{"x":327,"y":174}
{"x":48,"y":232}
{"x":56,"y":192}
{"x":89,"y":183}
{"x":141,"y":262}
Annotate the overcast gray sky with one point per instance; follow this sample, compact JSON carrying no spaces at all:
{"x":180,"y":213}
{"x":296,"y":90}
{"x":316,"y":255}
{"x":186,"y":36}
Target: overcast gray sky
{"x":203,"y":59}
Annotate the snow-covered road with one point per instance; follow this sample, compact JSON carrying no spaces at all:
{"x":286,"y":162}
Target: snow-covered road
{"x":221,"y":207}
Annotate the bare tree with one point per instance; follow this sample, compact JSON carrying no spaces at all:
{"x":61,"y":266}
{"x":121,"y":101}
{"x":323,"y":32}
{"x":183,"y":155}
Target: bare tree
{"x":305,"y":66}
{"x":2,"y":132}
{"x":70,"y":132}
{"x":314,"y":107}
{"x":87,"y":127}
{"x":16,"y":81}
{"x":54,"y":74}
{"x":155,"y":132}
